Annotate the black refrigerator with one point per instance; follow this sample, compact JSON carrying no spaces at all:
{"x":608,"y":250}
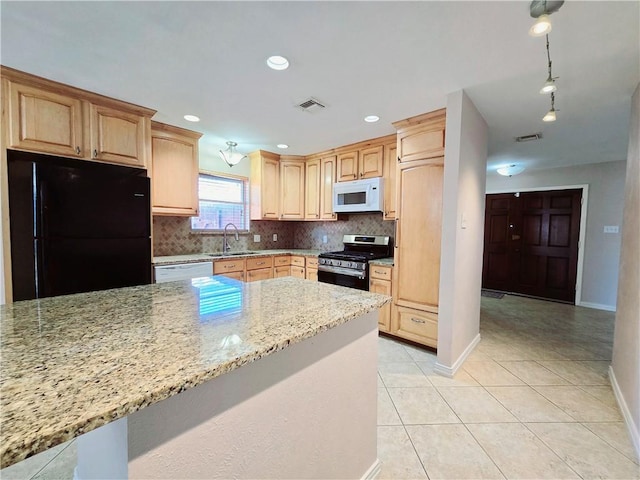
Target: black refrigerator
{"x":76,"y":226}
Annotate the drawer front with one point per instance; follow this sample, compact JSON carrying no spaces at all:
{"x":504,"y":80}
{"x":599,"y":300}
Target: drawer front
{"x":282,"y":271}
{"x":312,"y":262}
{"x":416,"y":325}
{"x":260,"y":274}
{"x":226,"y":266}
{"x":281,"y":260}
{"x":297,"y":261}
{"x":297,"y":272}
{"x":381,"y":273}
{"x":261,"y":262}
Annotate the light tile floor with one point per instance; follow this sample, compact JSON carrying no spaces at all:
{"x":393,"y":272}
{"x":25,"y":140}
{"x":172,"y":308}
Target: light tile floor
{"x":533,"y":401}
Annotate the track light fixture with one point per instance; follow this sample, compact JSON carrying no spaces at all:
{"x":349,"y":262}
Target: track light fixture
{"x":551,"y":114}
{"x":540,"y":10}
{"x":550,"y":85}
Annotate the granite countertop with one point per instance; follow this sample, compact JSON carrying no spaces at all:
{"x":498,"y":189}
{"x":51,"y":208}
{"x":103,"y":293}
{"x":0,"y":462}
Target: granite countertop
{"x":73,"y":363}
{"x":203,"y":257}
{"x":382,"y":261}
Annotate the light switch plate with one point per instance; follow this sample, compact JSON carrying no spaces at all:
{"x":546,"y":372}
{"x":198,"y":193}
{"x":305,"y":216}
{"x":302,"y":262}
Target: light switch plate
{"x":256,"y":238}
{"x":275,"y":237}
{"x":324,"y":239}
{"x":611,"y":229}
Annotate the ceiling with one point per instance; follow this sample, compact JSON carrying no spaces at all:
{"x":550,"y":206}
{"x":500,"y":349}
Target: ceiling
{"x":393,"y":59}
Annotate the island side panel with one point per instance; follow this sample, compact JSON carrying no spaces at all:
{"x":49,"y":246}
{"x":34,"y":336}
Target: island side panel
{"x":308,"y":411}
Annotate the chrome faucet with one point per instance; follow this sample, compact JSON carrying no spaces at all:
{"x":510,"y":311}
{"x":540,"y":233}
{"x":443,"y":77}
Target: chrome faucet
{"x":225,"y":244}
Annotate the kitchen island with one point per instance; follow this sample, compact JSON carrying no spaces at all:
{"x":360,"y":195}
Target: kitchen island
{"x":212,"y":378}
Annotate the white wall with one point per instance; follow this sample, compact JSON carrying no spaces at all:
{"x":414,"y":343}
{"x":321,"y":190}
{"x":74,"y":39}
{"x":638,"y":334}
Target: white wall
{"x":604,"y":207}
{"x":625,"y":365}
{"x":465,"y":166}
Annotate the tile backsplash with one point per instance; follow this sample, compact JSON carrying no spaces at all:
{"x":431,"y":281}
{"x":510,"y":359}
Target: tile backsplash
{"x":173,"y":236}
{"x":309,"y":234}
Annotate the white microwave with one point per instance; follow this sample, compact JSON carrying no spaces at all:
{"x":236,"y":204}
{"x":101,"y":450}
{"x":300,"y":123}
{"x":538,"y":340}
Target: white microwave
{"x":358,"y":196}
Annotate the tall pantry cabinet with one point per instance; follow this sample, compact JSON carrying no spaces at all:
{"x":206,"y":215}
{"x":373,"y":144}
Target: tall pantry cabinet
{"x":419,"y":182}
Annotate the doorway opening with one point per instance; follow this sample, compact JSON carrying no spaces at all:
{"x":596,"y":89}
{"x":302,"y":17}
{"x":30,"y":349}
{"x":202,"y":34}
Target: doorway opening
{"x":533,"y":242}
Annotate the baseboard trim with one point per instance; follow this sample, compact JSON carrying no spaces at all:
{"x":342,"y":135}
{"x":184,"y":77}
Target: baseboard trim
{"x":598,"y":306}
{"x":626,"y":413}
{"x":373,"y":471}
{"x":449,"y":372}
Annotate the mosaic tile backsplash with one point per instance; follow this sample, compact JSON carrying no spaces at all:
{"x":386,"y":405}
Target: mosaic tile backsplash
{"x":173,"y":236}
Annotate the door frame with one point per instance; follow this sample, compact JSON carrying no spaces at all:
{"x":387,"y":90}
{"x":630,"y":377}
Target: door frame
{"x":583,"y":222}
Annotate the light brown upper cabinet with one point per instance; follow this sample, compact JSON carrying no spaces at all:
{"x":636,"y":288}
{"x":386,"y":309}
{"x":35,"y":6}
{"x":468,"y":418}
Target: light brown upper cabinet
{"x":117,"y":136}
{"x":174,"y":160}
{"x":265,"y":185}
{"x":347,"y":166}
{"x":421,"y":137}
{"x":291,"y":189}
{"x":328,"y":166}
{"x":390,"y":166}
{"x":312,"y":189}
{"x":358,"y":164}
{"x":45,"y":121}
{"x":370,"y":162}
{"x":50,"y":117}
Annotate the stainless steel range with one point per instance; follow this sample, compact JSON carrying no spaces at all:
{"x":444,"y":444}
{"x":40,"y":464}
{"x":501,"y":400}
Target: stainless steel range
{"x":350,"y":267}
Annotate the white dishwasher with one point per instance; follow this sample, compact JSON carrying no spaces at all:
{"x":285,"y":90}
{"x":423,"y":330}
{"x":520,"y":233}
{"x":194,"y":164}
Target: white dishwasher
{"x":182,"y":271}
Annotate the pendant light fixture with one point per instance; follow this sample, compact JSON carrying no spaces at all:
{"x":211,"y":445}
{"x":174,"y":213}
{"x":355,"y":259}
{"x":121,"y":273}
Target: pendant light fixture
{"x":230,"y":155}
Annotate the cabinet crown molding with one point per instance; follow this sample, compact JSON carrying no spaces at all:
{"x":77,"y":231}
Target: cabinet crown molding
{"x":435,"y":118}
{"x":25,"y":78}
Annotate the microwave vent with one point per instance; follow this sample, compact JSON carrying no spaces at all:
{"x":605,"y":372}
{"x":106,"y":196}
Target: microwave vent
{"x":311,"y":105}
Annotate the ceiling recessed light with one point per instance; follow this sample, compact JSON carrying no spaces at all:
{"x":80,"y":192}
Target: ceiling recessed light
{"x":191,"y":118}
{"x":277,"y":62}
{"x":371,"y":118}
{"x":282,"y":145}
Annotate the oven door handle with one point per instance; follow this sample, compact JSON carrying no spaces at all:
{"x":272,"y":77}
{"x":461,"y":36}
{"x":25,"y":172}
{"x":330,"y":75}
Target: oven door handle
{"x":343,"y":271}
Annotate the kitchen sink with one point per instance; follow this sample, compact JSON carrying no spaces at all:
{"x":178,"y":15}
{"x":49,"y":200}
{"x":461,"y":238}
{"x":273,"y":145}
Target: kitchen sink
{"x":230,"y":254}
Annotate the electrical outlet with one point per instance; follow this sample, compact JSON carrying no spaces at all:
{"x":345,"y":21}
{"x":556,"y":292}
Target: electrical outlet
{"x":275,"y":237}
{"x":256,"y":238}
{"x":324,"y":239}
{"x":611,"y":229}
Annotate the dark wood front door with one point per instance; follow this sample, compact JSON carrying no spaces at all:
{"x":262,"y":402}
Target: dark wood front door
{"x":531,"y":243}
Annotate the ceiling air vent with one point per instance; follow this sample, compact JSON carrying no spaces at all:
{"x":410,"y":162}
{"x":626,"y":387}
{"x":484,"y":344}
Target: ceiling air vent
{"x":311,"y":105}
{"x":529,"y":138}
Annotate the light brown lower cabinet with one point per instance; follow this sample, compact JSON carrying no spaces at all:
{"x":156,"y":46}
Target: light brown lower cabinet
{"x":234,"y":275}
{"x":297,"y":272}
{"x":416,"y":325}
{"x":380,"y":282}
{"x":311,"y":274}
{"x":284,"y":271}
{"x":260,"y":274}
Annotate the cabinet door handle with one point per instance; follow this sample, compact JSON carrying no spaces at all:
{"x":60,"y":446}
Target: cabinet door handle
{"x":399,"y":160}
{"x":78,"y":150}
{"x":260,"y":263}
{"x":378,"y":272}
{"x":230,"y":266}
{"x":95,"y":153}
{"x":418,"y":320}
{"x":361,"y":174}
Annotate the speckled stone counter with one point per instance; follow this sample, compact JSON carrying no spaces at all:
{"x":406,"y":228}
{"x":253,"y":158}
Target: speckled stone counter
{"x":73,"y":363}
{"x":382,"y":261}
{"x":203,"y":257}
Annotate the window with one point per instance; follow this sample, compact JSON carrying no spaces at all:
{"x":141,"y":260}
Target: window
{"x":223,"y":200}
